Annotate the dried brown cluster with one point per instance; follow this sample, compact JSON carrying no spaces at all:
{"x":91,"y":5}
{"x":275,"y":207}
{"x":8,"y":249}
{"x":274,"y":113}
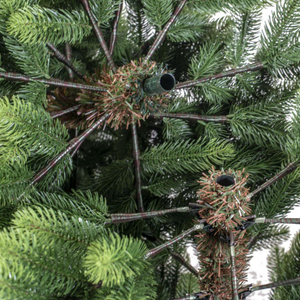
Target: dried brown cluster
{"x":224,"y":208}
{"x":124,"y":100}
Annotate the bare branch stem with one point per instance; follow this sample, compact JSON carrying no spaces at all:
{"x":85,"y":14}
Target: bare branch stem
{"x":230,"y":73}
{"x":137,"y":166}
{"x":54,"y":82}
{"x":99,"y":34}
{"x":65,"y":61}
{"x":162,"y":34}
{"x":113,"y":36}
{"x":56,"y":114}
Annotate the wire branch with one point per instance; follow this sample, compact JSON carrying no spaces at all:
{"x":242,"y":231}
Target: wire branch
{"x":234,"y":285}
{"x":65,"y":61}
{"x":56,"y":114}
{"x":99,"y":35}
{"x":153,"y":252}
{"x":287,"y":170}
{"x":190,"y":117}
{"x":229,"y":73}
{"x":113,"y":36}
{"x":54,"y":82}
{"x":68,"y":50}
{"x":275,"y":284}
{"x":162,"y":34}
{"x":178,"y":257}
{"x":73,"y":144}
{"x":124,"y":218}
{"x":137,"y":166}
{"x":282,"y":220}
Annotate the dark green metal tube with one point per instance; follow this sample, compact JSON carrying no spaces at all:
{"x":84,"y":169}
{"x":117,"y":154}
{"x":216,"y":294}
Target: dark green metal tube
{"x":159,"y":84}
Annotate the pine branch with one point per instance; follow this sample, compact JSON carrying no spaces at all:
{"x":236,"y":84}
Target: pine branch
{"x":137,"y":165}
{"x":162,"y":34}
{"x":64,"y":60}
{"x":54,"y":82}
{"x":275,"y":284}
{"x":124,"y":218}
{"x":68,"y":50}
{"x":190,"y":117}
{"x":233,"y":270}
{"x":153,"y":252}
{"x":34,"y":24}
{"x":99,"y":35}
{"x":287,"y":170}
{"x":232,"y":72}
{"x":113,"y":36}
{"x":56,"y":114}
{"x":73,"y":144}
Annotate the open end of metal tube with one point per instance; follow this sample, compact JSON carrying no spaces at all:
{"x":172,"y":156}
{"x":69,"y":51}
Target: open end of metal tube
{"x":225,"y":180}
{"x":167,"y":82}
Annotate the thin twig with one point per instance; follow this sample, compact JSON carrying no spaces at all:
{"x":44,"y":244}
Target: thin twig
{"x":54,"y":81}
{"x":137,"y":166}
{"x":99,"y":35}
{"x":113,"y":36}
{"x":162,"y":34}
{"x":190,"y":117}
{"x":64,"y":60}
{"x":56,"y":114}
{"x":232,"y":72}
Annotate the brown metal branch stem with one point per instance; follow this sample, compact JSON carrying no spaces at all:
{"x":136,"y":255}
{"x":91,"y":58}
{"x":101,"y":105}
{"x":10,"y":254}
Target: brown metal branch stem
{"x":113,"y":37}
{"x":56,"y":114}
{"x":178,"y":257}
{"x":162,"y":34}
{"x":65,"y":61}
{"x":137,"y":167}
{"x":229,"y":73}
{"x":68,"y":50}
{"x":190,"y":117}
{"x":54,"y":82}
{"x":99,"y":35}
{"x":287,"y":170}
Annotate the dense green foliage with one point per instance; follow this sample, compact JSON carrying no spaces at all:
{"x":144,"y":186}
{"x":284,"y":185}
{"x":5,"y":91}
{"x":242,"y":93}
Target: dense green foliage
{"x":54,"y":239}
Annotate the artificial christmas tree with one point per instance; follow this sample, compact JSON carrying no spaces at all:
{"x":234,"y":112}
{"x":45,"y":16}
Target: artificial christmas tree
{"x":101,"y":116}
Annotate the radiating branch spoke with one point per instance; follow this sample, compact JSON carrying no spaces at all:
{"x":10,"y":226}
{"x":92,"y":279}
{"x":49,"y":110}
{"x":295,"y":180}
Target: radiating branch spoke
{"x":178,"y":257}
{"x":233,"y":270}
{"x":137,"y":166}
{"x":289,"y":169}
{"x":65,"y":61}
{"x":54,"y":82}
{"x":162,"y":34}
{"x":153,"y":252}
{"x":68,"y":50}
{"x":99,"y":35}
{"x":60,"y":113}
{"x":113,"y":37}
{"x":233,"y":72}
{"x":282,"y":221}
{"x":124,"y":218}
{"x":73,"y":144}
{"x":190,"y":117}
